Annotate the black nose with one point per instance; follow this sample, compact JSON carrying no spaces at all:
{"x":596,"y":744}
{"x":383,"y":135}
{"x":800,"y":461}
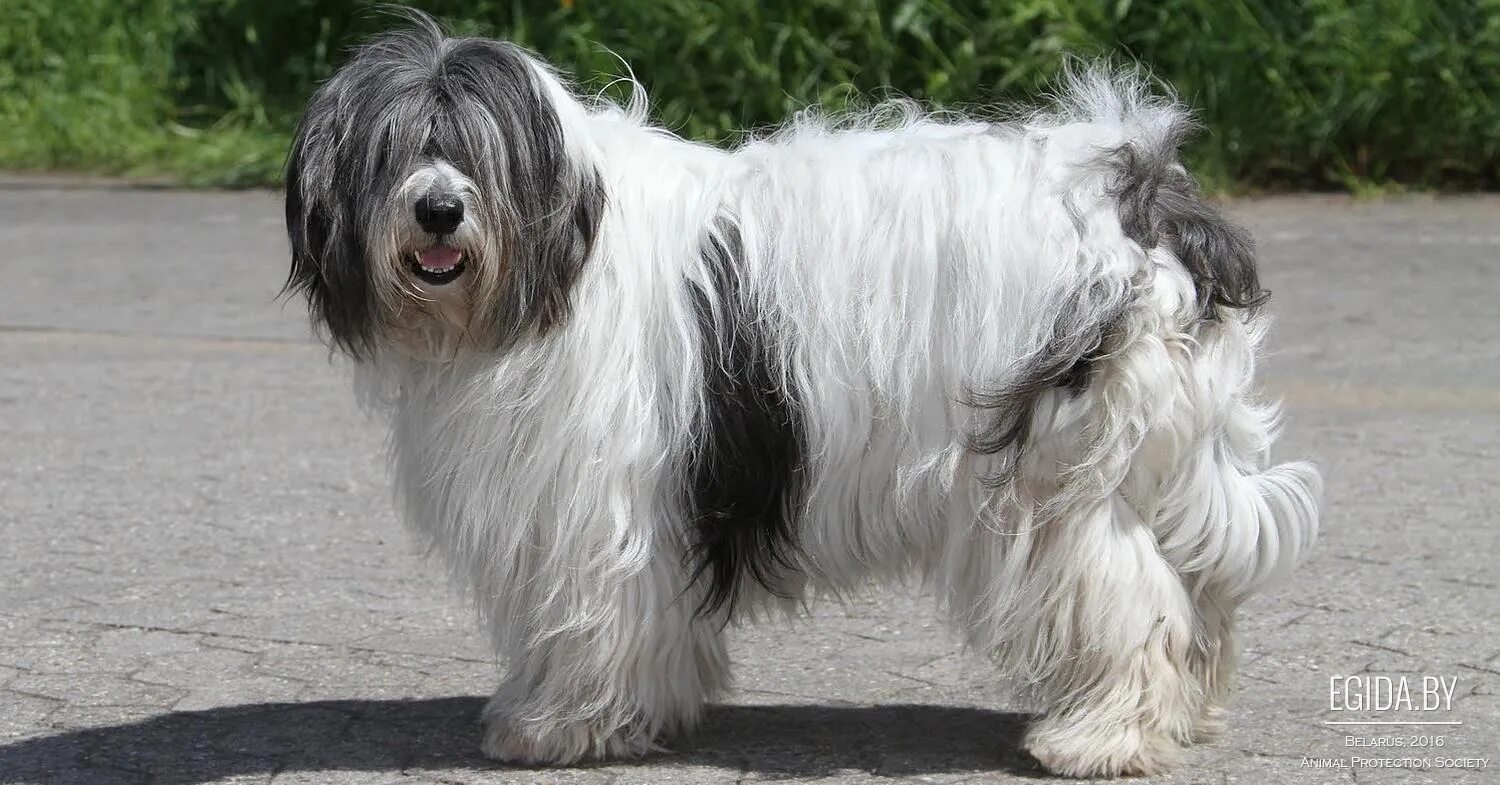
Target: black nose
{"x":440,"y":213}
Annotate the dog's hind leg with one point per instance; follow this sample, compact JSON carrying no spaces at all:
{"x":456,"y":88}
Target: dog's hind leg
{"x":1213,"y":661}
{"x":1228,"y":524}
{"x":1078,"y":596}
{"x":1109,"y":649}
{"x":1168,"y":522}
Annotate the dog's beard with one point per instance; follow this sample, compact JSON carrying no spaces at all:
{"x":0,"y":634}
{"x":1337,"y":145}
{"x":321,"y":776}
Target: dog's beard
{"x":431,"y":303}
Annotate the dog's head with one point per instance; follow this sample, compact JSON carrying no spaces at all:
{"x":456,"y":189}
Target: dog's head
{"x":434,"y":199}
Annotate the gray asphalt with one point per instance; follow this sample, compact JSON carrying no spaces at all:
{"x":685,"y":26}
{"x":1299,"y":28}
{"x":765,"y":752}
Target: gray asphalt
{"x":201,"y":578}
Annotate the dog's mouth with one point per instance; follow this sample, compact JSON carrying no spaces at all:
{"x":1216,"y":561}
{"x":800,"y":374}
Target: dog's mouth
{"x":438,"y":265}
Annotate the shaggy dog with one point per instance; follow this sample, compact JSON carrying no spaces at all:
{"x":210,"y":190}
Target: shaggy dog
{"x":640,"y":387}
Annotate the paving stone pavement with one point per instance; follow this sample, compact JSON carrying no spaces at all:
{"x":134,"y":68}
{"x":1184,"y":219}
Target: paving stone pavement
{"x":201,"y":578}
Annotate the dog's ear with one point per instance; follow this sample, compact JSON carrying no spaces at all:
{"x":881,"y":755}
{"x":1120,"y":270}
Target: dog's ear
{"x":328,"y":265}
{"x":560,"y":242}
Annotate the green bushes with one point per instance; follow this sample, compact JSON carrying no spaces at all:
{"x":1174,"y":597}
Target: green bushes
{"x":1297,"y":94}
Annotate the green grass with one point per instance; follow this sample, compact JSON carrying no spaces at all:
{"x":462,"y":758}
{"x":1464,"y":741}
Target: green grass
{"x":1345,"y":94}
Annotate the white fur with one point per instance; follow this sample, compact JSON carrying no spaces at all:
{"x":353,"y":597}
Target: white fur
{"x":901,"y":260}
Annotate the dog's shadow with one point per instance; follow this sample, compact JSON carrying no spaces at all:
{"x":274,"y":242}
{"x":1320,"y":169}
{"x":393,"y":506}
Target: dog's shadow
{"x":783,"y":741}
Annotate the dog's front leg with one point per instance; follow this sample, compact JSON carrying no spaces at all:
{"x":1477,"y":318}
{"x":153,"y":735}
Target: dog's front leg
{"x":610,"y":668}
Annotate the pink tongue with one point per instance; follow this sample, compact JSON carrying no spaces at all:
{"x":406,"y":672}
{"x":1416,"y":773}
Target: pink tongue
{"x":440,"y":257}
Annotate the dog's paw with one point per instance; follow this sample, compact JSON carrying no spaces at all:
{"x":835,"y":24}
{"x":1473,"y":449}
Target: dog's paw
{"x":1210,"y":725}
{"x":1126,"y":750}
{"x":558,"y":744}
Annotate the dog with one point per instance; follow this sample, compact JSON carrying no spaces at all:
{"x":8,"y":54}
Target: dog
{"x":640,"y":388}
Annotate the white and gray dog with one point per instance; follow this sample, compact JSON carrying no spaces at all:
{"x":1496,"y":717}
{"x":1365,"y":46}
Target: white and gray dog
{"x":641,"y":387}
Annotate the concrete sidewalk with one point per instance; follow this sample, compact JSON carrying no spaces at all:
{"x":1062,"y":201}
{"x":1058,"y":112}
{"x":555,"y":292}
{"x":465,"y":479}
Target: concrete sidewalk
{"x":201,"y":578}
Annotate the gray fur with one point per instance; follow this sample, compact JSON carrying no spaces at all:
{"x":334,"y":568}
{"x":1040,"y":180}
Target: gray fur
{"x":1159,"y":202}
